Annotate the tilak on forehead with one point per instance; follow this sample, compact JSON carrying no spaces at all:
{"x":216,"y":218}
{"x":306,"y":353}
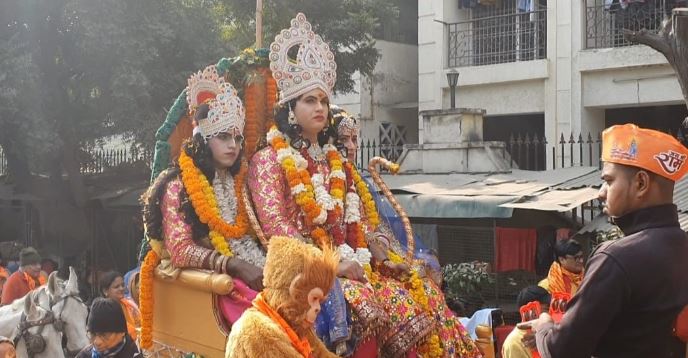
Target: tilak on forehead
{"x":654,"y":151}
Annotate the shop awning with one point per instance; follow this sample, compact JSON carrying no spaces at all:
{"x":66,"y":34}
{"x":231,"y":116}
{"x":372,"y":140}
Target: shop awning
{"x":555,"y":200}
{"x":493,"y":195}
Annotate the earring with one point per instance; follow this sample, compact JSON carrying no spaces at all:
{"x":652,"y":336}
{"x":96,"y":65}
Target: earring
{"x":292,"y":116}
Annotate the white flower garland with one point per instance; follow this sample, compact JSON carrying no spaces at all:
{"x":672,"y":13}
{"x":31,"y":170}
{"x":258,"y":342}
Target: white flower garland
{"x":361,"y":255}
{"x":352,"y":213}
{"x":225,"y":201}
{"x":322,"y":197}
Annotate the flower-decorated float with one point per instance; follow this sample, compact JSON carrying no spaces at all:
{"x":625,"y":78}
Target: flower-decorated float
{"x":188,"y":296}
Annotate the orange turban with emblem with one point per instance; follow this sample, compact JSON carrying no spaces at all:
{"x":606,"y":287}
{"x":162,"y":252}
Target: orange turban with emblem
{"x":654,"y":151}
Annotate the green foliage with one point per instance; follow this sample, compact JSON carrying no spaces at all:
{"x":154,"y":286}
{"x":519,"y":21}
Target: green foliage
{"x":347,"y":25}
{"x":466,"y":279}
{"x":75,"y":71}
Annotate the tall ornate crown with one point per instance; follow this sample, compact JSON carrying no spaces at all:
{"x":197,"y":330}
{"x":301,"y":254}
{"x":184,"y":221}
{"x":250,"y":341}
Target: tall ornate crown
{"x":225,"y":110}
{"x":313,"y":67}
{"x":226,"y":113}
{"x":202,"y":87}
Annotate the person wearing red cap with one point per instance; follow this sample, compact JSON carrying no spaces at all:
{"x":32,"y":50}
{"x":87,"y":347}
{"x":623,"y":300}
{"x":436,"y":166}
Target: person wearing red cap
{"x":635,"y":286}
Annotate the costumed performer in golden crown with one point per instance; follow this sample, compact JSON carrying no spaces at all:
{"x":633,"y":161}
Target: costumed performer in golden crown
{"x":301,"y":189}
{"x":387,"y":243}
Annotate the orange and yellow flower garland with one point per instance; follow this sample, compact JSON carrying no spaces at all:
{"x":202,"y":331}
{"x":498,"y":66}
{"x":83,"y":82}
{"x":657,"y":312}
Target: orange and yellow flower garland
{"x":299,"y":179}
{"x":205,"y":205}
{"x":146,"y":298}
{"x":366,"y":197}
{"x":337,"y":184}
{"x":302,"y":188}
{"x":251,"y":128}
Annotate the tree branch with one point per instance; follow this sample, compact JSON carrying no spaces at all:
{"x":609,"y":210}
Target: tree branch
{"x":649,"y":38}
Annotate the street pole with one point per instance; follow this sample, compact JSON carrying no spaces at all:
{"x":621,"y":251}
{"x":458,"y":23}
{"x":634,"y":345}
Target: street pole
{"x":453,"y":96}
{"x":259,"y":23}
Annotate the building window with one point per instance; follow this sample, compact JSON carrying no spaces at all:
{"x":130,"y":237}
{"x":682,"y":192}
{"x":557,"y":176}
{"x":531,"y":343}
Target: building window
{"x":606,"y":20}
{"x":392,"y":140}
{"x":510,"y":31}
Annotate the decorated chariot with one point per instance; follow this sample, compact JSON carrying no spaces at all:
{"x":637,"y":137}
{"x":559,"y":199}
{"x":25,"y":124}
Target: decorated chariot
{"x":180,"y":308}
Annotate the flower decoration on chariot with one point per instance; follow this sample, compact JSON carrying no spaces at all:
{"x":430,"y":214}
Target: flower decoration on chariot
{"x":313,"y":67}
{"x":345,"y":121}
{"x":202,"y":87}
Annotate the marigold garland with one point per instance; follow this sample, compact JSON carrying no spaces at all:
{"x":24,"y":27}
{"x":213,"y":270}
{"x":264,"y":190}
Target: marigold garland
{"x":205,"y":205}
{"x":146,"y":298}
{"x":308,"y":189}
{"x":355,"y":235}
{"x":270,"y":97}
{"x":251,"y":128}
{"x":365,"y":195}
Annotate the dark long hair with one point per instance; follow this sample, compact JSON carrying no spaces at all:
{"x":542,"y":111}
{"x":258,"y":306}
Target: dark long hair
{"x":106,"y":280}
{"x":293,"y":131}
{"x":199,"y":151}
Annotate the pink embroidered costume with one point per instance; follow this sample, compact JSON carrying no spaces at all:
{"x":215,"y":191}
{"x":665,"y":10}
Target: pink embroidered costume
{"x":186,"y":253}
{"x":450,"y":336}
{"x":398,"y":323}
{"x":176,"y":202}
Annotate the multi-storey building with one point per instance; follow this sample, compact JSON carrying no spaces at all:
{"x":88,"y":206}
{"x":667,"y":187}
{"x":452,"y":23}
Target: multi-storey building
{"x":548,"y":67}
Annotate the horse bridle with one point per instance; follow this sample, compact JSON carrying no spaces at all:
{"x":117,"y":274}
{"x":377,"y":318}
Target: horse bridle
{"x":35,"y":343}
{"x":59,"y":323}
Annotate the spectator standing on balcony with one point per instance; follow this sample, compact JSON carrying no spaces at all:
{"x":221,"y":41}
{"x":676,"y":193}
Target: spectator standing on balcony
{"x":635,"y":286}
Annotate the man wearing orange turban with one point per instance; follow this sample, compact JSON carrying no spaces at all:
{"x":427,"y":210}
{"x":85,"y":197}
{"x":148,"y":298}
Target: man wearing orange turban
{"x":635,"y":286}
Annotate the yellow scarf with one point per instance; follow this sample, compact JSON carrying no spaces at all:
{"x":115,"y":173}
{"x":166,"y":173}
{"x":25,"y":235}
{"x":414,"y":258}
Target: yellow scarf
{"x":562,"y":280}
{"x":301,"y":345}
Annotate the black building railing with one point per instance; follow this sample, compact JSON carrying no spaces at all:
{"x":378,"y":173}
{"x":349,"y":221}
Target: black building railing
{"x":96,"y":162}
{"x":498,"y":36}
{"x":101,"y":160}
{"x":368,"y":149}
{"x":530,"y":151}
{"x":605,"y":20}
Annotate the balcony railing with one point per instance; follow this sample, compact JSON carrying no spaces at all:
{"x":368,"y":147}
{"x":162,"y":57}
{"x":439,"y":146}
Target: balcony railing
{"x":498,"y":37}
{"x":605,"y":22}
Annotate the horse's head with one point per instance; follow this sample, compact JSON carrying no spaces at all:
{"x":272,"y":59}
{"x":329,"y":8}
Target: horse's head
{"x":69,"y":310}
{"x":36,"y":336}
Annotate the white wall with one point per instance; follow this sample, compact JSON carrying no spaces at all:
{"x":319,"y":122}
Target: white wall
{"x":394,"y":94}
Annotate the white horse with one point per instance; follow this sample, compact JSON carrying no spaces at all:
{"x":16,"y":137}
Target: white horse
{"x":32,"y":329}
{"x":62,"y":299}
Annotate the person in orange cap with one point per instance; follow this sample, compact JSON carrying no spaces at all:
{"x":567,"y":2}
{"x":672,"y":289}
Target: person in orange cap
{"x":635,"y":286}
